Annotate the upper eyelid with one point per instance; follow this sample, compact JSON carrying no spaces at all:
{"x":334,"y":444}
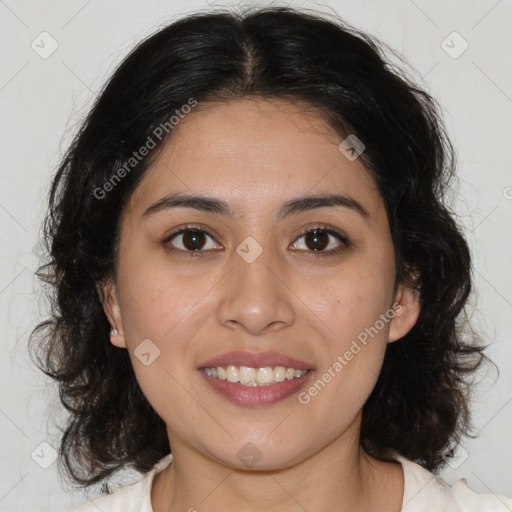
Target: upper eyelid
{"x":322,"y":227}
{"x":190,"y":227}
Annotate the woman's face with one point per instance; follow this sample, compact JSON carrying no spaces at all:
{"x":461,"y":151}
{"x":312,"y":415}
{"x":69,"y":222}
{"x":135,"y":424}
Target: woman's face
{"x":257,"y":284}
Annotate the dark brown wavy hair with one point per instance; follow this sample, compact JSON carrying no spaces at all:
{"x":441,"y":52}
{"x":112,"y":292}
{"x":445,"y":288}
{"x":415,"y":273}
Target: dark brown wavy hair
{"x":420,"y":404}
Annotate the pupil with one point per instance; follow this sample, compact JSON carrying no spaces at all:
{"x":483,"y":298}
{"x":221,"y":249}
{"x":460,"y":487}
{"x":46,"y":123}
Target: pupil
{"x":316,"y":238}
{"x":193,"y":240}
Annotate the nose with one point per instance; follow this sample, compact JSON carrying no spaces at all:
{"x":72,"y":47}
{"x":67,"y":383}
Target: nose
{"x":255,"y":296}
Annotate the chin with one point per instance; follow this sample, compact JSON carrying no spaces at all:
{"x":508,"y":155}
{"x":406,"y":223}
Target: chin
{"x":261,"y":456}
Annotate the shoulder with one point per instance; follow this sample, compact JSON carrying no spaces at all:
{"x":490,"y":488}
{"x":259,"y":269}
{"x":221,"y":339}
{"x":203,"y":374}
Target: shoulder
{"x":472,"y":502}
{"x":131,"y":498}
{"x":424,"y":491}
{"x":127,"y":499}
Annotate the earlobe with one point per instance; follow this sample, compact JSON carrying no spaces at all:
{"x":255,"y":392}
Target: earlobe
{"x":407,"y":311}
{"x":107,"y":292}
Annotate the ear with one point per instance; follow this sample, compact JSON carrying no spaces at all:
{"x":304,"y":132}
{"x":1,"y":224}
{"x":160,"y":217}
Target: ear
{"x":107,"y":291}
{"x":407,"y":310}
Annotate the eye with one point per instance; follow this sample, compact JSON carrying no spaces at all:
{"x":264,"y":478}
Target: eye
{"x":322,"y":240}
{"x":190,"y":239}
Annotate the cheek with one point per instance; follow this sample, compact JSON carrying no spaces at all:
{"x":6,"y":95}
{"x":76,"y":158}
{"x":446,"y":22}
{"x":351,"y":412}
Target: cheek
{"x":350,"y":300}
{"x":158,"y":298}
{"x":347,"y":312}
{"x":352,"y":341}
{"x":162,"y":308}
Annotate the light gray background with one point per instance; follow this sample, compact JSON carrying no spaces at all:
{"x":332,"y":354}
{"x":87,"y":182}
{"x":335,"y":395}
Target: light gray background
{"x":42,"y":101}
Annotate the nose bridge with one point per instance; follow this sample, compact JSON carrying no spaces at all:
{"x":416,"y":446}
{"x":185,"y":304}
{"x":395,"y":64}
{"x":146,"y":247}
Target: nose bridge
{"x":253,"y":297}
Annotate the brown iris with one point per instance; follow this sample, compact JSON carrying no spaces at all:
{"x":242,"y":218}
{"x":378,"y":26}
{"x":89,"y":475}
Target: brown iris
{"x":319,"y":240}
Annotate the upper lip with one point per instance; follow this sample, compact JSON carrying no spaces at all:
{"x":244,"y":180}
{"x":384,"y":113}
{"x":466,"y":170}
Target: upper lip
{"x":255,"y":360}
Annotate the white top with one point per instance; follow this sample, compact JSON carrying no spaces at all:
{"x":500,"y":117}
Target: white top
{"x":423,"y":492}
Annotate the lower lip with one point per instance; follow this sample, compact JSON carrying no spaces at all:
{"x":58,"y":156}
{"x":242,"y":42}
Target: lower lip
{"x":251,"y":396}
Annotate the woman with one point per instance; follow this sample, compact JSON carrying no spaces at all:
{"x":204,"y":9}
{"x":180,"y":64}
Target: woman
{"x":258,"y":286}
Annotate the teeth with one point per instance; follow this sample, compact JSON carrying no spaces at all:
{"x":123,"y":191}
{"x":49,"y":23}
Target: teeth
{"x":232,"y":374}
{"x":280,"y":373}
{"x":265,"y":376}
{"x":247,"y":376}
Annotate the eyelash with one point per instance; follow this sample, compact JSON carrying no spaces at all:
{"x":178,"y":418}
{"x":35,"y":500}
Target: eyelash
{"x":324,"y":228}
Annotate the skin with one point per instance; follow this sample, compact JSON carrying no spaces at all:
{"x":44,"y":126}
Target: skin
{"x":255,"y":154}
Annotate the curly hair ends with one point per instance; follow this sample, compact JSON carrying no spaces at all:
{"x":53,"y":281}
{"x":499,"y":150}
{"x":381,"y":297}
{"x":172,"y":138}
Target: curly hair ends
{"x":419,"y":406}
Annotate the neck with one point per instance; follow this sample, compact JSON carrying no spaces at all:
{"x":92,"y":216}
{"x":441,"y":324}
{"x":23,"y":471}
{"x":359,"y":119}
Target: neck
{"x":341,"y":476}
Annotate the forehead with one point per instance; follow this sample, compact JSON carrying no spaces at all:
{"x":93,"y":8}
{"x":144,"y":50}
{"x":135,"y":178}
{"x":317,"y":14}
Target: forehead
{"x":254,"y":152}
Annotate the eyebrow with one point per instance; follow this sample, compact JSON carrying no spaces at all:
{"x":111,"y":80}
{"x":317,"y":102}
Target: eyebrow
{"x":291,"y":207}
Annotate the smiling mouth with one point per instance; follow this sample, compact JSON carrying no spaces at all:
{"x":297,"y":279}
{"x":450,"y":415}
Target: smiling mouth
{"x":249,"y":376}
{"x":268,"y":386}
